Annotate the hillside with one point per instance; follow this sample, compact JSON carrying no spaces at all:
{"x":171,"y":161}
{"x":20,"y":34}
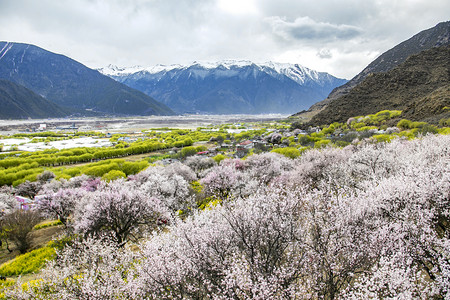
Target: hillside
{"x":229,"y":87}
{"x":18,"y":102}
{"x":68,"y":83}
{"x":433,"y":37}
{"x":419,"y":86}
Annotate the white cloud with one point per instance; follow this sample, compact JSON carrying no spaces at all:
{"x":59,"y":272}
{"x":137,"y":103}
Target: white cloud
{"x":324,"y":53}
{"x":238,"y":7}
{"x":341,"y":63}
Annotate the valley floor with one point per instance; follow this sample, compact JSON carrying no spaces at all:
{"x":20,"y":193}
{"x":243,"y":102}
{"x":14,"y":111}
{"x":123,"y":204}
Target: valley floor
{"x":116,"y":125}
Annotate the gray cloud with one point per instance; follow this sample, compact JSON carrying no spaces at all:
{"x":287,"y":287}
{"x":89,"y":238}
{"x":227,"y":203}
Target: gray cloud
{"x":305,"y":28}
{"x":340,"y":37}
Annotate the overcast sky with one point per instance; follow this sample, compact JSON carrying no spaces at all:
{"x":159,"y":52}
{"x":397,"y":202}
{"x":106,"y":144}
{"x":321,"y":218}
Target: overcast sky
{"x":336,"y":36}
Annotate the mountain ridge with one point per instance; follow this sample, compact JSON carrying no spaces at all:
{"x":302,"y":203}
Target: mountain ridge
{"x":230,"y":86}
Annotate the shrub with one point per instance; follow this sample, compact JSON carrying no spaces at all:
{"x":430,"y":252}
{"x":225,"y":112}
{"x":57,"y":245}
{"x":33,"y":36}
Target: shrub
{"x":130,"y":168}
{"x":72,"y":172}
{"x":408,"y":134}
{"x":61,"y":242}
{"x":445,"y":130}
{"x":188,"y":151}
{"x":418,"y":124}
{"x":427,"y":128}
{"x":304,"y":140}
{"x":47,"y":224}
{"x":328,"y":130}
{"x":442,"y":123}
{"x":383,"y":137}
{"x":288,"y":152}
{"x":113,"y":175}
{"x":366,"y":128}
{"x":322,"y":143}
{"x":341,"y":143}
{"x":404,"y":124}
{"x":357,"y":125}
{"x":219,"y":157}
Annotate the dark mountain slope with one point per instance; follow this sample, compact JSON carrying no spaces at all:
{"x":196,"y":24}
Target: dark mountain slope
{"x":18,"y":102}
{"x":69,"y":83}
{"x":427,"y":39}
{"x":419,"y":86}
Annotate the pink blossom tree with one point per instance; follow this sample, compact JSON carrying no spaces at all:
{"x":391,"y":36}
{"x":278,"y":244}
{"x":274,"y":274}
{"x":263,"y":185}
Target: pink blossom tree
{"x":8,"y":202}
{"x":60,"y":204}
{"x":268,"y":166}
{"x":120,"y":210}
{"x":244,"y":249}
{"x":220,"y":181}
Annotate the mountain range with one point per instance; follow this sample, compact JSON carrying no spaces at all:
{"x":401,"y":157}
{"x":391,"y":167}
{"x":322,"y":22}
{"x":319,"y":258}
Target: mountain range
{"x":353,"y":95}
{"x":412,"y":76}
{"x":229,"y":87}
{"x":71,"y":85}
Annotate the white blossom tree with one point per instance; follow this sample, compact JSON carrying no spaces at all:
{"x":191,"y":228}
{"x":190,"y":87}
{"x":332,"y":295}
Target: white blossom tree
{"x":94,"y":268}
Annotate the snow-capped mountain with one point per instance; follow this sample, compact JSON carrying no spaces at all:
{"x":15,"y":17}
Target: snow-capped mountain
{"x":69,"y":84}
{"x":229,"y":86}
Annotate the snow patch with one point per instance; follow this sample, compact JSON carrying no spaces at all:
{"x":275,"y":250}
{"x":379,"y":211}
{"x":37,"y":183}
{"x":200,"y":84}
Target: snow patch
{"x":26,"y":145}
{"x":6,"y":48}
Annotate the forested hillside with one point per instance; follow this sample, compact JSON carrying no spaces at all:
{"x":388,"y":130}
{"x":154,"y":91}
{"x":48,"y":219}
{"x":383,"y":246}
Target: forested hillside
{"x":18,"y":102}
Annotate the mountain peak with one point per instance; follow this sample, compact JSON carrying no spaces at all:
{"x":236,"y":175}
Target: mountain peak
{"x":229,"y":63}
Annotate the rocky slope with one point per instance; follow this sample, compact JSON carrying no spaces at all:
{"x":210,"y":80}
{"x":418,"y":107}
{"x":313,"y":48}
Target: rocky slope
{"x":427,"y":39}
{"x":419,"y":86}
